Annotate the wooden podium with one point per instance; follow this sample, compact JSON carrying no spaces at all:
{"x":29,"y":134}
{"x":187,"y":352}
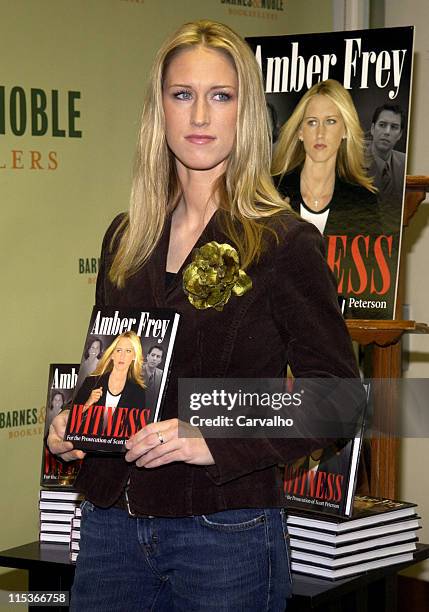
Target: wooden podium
{"x":385,"y":336}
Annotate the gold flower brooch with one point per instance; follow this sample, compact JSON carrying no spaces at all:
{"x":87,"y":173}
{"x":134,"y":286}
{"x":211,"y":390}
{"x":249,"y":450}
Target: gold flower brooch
{"x":213,"y":275}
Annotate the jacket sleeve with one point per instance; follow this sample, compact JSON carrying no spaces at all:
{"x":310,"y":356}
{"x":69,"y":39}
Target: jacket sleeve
{"x":88,"y":385}
{"x":305,"y":310}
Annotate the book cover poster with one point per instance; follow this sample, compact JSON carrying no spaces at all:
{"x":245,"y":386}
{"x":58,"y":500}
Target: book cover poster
{"x":122,"y":376}
{"x":374,"y":66}
{"x":61,"y":382}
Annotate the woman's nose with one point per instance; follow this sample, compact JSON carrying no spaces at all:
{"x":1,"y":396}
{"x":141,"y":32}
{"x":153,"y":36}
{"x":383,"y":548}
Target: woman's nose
{"x":200,"y":112}
{"x":321,"y":129}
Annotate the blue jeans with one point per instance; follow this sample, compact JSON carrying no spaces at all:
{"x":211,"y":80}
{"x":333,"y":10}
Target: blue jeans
{"x":230,"y":561}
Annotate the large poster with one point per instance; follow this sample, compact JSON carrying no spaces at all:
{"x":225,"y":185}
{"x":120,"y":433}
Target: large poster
{"x":363,"y":240}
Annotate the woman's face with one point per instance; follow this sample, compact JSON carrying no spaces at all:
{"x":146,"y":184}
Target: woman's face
{"x":57,"y":402}
{"x":123,"y":355}
{"x":200,"y":100}
{"x":322,"y":129}
{"x":94,"y":349}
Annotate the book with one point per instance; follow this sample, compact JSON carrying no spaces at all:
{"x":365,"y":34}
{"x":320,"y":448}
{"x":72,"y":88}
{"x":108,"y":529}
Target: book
{"x":75,"y":536}
{"x":367,"y":511}
{"x":55,"y":517}
{"x":61,"y":495}
{"x":57,"y":506}
{"x":61,"y":383}
{"x":122,"y":377}
{"x":357,"y":535}
{"x":352,"y":559}
{"x":47,"y":527}
{"x":325,"y":481}
{"x":339,"y":550}
{"x":55,"y":538}
{"x":363,"y":238}
{"x":75,"y":523}
{"x":342,"y":572}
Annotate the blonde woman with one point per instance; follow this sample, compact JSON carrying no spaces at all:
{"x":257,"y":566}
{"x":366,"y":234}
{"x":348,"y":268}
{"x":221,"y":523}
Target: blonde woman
{"x":194,"y":523}
{"x":117,"y":377}
{"x":319,"y":162}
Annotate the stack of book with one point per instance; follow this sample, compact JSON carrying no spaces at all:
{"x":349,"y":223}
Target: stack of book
{"x":58,"y":499}
{"x":380,"y":532}
{"x":57,"y":509}
{"x":75,"y":535}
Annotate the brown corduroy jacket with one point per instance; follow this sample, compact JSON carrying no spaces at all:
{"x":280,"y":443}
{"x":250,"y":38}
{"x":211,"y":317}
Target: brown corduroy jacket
{"x":290,"y":316}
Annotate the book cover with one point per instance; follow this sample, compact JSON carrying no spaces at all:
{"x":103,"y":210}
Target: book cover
{"x":122,"y":377}
{"x":325,"y":481}
{"x":61,"y":382}
{"x":362,"y":232}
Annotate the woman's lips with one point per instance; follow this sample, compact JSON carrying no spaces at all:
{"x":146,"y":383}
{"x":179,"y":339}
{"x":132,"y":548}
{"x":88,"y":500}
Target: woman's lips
{"x":199,"y":139}
{"x":320,"y":146}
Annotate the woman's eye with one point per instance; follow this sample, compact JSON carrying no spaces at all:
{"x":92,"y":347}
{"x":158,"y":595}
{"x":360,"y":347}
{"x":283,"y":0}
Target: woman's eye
{"x":222,"y":96}
{"x":183,"y":95}
{"x":312,"y":122}
{"x":331,"y":121}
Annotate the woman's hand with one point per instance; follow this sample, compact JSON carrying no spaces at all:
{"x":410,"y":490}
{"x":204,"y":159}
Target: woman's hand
{"x":159,"y":443}
{"x":56,"y":443}
{"x":94,"y":397}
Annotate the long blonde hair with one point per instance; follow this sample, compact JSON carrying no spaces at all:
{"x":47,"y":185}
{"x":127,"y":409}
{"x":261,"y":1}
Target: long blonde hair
{"x":135,"y":371}
{"x":245,"y":190}
{"x":289,"y":152}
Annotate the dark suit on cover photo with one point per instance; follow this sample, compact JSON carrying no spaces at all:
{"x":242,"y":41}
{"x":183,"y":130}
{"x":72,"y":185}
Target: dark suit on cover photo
{"x":132,"y":396}
{"x":354,"y":211}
